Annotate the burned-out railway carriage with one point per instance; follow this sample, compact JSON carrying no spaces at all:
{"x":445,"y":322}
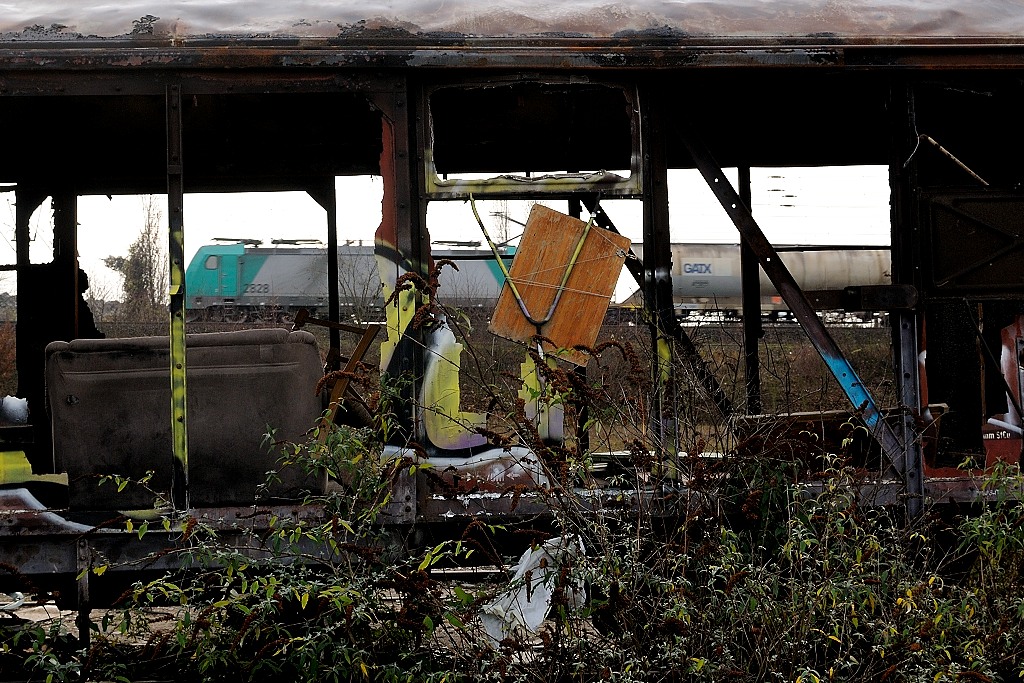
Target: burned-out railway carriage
{"x":586,"y":105}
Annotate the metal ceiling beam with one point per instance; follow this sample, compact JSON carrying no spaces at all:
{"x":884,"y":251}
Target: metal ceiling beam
{"x":520,"y":53}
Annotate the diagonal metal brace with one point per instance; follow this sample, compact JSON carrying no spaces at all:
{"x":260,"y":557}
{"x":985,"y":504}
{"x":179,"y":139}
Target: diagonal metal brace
{"x":671,"y":326}
{"x":801,"y":307}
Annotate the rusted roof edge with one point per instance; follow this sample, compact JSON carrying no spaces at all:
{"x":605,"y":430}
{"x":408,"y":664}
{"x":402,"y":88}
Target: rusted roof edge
{"x":1007,"y":52}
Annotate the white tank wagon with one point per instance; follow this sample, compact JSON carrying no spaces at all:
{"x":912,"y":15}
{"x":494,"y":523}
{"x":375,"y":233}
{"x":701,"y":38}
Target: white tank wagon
{"x":707,"y":276}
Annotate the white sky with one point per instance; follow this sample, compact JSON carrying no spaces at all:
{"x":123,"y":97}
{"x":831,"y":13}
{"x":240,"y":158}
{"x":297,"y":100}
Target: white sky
{"x":834,"y":205}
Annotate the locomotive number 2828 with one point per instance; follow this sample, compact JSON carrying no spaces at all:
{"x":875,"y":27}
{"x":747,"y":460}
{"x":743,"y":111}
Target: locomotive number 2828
{"x":257,"y":288}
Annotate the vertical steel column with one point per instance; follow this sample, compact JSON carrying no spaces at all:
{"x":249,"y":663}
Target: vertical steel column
{"x":326,"y":195}
{"x":657,"y":264}
{"x":411,"y":108}
{"x":794,"y":297}
{"x":176,"y":256}
{"x":333,"y":298}
{"x":905,"y":270}
{"x":413,"y":239}
{"x":750,"y":275}
{"x":402,"y":106}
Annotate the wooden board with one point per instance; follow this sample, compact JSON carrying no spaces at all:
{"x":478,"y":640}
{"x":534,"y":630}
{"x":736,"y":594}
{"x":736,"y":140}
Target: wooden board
{"x":541,"y":260}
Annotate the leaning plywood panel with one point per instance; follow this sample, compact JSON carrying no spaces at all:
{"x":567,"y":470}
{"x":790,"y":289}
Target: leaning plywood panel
{"x":546,"y":252}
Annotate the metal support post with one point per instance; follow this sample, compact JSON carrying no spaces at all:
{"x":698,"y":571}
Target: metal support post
{"x":905,"y":270}
{"x":411,"y":239}
{"x":403,"y":228}
{"x":657,"y":265}
{"x":176,"y":256}
{"x":750,"y":273}
{"x":327,"y":197}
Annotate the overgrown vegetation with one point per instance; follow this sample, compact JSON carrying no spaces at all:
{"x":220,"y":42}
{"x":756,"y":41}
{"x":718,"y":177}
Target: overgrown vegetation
{"x":753,"y":567}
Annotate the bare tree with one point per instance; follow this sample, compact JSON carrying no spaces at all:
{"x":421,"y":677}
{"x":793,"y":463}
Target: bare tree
{"x":144,"y":269}
{"x":99,"y":298}
{"x":359,"y":287}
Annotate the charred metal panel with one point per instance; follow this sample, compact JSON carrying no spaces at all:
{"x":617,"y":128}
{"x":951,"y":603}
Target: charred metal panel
{"x":234,"y":142}
{"x":976,"y":244}
{"x":967,"y":130}
{"x":546,"y":137}
{"x":299,"y":136}
{"x":815,"y":118}
{"x":79,"y":140}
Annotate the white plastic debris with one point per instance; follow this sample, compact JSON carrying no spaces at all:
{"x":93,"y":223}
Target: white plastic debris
{"x":522,"y":607}
{"x":13,"y":410}
{"x":17,"y":600}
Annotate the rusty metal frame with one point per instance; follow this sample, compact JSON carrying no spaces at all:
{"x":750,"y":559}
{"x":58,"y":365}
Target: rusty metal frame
{"x":399,"y":107}
{"x":817,"y":333}
{"x":130,"y":68}
{"x":905,"y":270}
{"x":553,"y":185}
{"x":522,"y":53}
{"x":934,"y":201}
